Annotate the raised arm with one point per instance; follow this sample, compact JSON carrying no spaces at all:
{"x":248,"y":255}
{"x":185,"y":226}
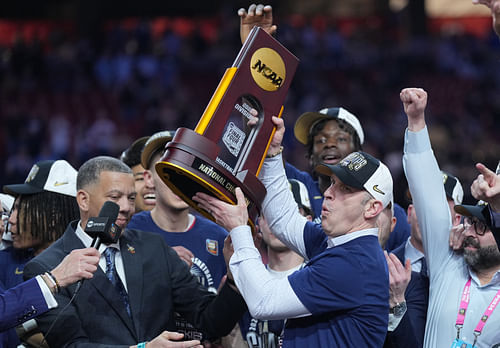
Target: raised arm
{"x":267,"y":297}
{"x":279,"y":206}
{"x":425,"y":180}
{"x":257,"y":15}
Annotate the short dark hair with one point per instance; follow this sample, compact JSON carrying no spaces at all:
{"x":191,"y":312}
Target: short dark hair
{"x":91,"y":170}
{"x":343,"y":125}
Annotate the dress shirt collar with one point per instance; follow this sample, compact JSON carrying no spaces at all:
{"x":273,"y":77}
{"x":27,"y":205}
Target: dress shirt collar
{"x":336,"y":241}
{"x":412,"y":253}
{"x":495,"y":280}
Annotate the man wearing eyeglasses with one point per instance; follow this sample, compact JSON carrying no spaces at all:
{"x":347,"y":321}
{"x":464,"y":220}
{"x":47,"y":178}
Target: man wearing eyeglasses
{"x":480,"y":251}
{"x":464,"y":289}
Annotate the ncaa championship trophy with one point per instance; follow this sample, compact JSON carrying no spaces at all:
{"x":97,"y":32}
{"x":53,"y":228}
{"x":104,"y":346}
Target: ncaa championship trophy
{"x":224,"y":151}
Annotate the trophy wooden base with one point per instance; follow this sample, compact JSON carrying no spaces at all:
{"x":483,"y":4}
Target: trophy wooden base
{"x":189,"y":165}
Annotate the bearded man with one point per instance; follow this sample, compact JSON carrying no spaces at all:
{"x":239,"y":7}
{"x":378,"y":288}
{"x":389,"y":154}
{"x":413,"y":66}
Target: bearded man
{"x":464,"y":288}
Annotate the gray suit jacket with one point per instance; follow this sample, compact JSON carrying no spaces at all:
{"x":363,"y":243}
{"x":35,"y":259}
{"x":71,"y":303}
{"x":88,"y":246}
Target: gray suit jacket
{"x":159,"y":283}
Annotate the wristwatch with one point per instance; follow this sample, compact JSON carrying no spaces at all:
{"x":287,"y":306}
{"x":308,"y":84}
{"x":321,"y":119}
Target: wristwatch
{"x":399,"y":309}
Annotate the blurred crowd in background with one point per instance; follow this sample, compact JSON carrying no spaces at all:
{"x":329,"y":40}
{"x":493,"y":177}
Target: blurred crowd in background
{"x":64,"y":95}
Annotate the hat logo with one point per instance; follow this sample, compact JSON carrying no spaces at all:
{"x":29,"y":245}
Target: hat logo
{"x":354,"y":161}
{"x":445,"y":178}
{"x":376,"y":189}
{"x":57,"y":183}
{"x":32,"y":174}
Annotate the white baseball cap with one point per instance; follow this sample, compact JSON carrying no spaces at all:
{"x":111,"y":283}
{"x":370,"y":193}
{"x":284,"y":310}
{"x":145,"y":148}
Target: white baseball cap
{"x":53,"y":176}
{"x":308,"y":120}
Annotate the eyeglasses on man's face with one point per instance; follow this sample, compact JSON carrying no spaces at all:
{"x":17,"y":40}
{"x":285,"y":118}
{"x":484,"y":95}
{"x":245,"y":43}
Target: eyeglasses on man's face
{"x":479,"y":226}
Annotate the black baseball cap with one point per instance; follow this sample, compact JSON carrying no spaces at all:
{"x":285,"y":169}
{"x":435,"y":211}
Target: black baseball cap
{"x":363,"y":171}
{"x":480,"y":211}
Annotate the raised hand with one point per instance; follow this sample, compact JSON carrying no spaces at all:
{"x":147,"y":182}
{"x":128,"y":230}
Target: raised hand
{"x":494,"y":6}
{"x":257,"y":15}
{"x":227,"y":215}
{"x":275,"y":145}
{"x":414,"y":102}
{"x":486,"y":187}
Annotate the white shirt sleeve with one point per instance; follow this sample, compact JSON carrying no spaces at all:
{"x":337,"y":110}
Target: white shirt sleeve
{"x":279,"y":207}
{"x":266,"y":297}
{"x":47,"y":294}
{"x":425,"y":181}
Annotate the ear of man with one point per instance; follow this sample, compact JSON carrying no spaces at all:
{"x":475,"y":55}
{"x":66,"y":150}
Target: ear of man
{"x":83,"y":200}
{"x":373,"y":208}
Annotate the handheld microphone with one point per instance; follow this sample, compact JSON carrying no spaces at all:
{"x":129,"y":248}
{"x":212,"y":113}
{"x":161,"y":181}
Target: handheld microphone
{"x":102,"y":228}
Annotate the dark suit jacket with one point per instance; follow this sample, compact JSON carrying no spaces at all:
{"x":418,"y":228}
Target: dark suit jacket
{"x":410,"y":331}
{"x":21,"y":303}
{"x":159,"y":283}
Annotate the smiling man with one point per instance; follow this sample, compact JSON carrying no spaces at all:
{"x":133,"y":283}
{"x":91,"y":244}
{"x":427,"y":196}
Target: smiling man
{"x":145,"y":198}
{"x":140,"y":282}
{"x":340,"y":298}
{"x":329,"y":135}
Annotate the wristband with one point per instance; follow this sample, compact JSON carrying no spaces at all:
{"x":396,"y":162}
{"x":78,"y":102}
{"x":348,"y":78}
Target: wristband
{"x":51,"y":276}
{"x":141,"y":345}
{"x":275,"y":154}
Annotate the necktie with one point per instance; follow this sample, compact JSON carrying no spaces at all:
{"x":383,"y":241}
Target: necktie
{"x":423,"y":271}
{"x":113,"y":277}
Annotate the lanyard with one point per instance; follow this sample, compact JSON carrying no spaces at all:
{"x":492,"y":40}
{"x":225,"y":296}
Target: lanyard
{"x":464,"y":303}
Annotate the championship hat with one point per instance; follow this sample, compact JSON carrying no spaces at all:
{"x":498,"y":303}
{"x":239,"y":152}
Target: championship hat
{"x":453,"y":188}
{"x":308,"y":120}
{"x":301,"y":195}
{"x":53,"y":176}
{"x":363,"y":171}
{"x":155,"y":142}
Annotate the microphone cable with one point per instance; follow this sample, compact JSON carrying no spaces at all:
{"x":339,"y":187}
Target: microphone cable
{"x":61,"y":312}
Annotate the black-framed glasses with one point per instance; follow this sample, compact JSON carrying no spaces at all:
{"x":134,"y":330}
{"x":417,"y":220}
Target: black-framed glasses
{"x":479,"y":226}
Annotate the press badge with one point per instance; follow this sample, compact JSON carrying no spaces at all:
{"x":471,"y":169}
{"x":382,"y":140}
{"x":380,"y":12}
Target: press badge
{"x":461,"y":344}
